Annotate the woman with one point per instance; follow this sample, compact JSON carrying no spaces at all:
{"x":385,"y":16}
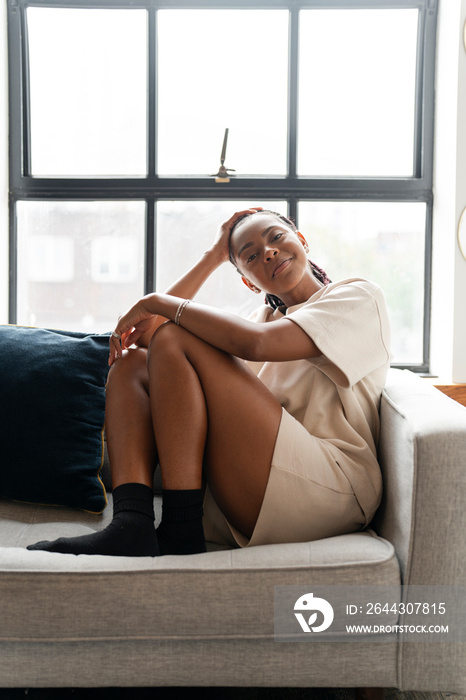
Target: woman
{"x":278,"y":415}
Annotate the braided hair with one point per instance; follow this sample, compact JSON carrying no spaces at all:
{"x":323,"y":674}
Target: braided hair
{"x":271,"y":299}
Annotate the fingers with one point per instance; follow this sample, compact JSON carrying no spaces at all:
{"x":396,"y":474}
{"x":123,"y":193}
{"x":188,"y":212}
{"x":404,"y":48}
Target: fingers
{"x":237,"y":215}
{"x":132,"y":338}
{"x":130,"y":328}
{"x":222,"y":239}
{"x":117,"y":342}
{"x":115,"y":350}
{"x":226,"y":227}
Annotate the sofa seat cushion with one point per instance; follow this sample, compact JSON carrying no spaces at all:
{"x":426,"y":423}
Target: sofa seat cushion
{"x":221,"y":594}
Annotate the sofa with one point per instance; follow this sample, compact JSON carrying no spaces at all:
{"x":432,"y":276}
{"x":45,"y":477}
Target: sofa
{"x":208,"y":619}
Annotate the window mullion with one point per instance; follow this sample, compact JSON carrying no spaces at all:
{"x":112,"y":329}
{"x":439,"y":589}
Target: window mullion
{"x":293,"y":58}
{"x":26,"y":97}
{"x":14,"y":92}
{"x":152,"y":91}
{"x":150,"y":242}
{"x":150,"y":247}
{"x":402,"y":189}
{"x":427,"y":40}
{"x":12,"y":265}
{"x":293,"y":209}
{"x":417,"y":154}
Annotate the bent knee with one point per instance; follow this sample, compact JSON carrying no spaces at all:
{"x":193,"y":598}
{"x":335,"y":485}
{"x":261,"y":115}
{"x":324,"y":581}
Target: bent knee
{"x":131,"y":365}
{"x":167,"y":337}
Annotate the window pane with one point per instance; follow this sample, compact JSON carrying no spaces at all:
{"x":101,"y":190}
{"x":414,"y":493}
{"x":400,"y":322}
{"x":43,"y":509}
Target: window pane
{"x":218,"y":69}
{"x":88,"y":91}
{"x":383,"y":242}
{"x":80,"y":264}
{"x":357,"y":92}
{"x":184,"y":231}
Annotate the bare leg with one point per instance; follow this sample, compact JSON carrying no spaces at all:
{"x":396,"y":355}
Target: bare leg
{"x":209,"y":407}
{"x":132,"y":455}
{"x":128,"y":423}
{"x":206,"y":407}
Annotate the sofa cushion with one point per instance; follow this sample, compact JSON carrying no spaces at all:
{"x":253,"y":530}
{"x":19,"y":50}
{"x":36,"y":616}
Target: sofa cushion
{"x":220,"y":594}
{"x":52,"y":416}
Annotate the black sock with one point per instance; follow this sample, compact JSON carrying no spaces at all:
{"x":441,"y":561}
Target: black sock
{"x":181,"y":530}
{"x":131,"y":532}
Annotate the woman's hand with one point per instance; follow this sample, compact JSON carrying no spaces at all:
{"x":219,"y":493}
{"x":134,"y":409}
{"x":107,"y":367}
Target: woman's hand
{"x":221,"y":245}
{"x":135,"y":323}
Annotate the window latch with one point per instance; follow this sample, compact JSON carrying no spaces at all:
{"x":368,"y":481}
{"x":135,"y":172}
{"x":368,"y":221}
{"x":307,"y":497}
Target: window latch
{"x":222,"y":175}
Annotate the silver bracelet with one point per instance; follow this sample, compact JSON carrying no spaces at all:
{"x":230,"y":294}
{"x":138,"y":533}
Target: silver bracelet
{"x":180,"y":310}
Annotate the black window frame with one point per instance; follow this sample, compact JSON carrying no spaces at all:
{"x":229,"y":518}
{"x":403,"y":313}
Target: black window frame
{"x":291,"y":187}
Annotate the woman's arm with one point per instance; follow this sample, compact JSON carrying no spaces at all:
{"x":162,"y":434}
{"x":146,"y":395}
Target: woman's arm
{"x":186,"y":287}
{"x":190,"y":283}
{"x":276,"y":341}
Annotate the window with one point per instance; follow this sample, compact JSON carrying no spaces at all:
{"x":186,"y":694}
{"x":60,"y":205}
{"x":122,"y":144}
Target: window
{"x":117,"y":119}
{"x":87,"y":91}
{"x":198,"y":53}
{"x":79,"y":263}
{"x":364,"y":92}
{"x":378,"y":240}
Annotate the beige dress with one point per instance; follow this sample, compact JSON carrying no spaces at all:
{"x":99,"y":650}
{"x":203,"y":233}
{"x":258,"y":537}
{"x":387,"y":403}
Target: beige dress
{"x":324,"y":478}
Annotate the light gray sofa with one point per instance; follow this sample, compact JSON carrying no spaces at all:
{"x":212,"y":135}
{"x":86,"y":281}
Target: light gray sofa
{"x":208,"y":619}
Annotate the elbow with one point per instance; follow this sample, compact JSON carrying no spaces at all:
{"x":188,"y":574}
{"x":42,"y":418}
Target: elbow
{"x":254,"y":350}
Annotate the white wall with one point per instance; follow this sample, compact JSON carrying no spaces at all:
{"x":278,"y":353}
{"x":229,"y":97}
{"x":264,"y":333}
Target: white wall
{"x":3,"y":166}
{"x":459,"y":320}
{"x":449,"y":266}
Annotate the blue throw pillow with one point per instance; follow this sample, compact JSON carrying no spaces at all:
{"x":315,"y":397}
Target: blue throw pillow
{"x":52,"y":409}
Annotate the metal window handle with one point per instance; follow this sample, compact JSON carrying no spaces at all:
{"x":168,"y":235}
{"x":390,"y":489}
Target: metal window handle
{"x":222,"y":174}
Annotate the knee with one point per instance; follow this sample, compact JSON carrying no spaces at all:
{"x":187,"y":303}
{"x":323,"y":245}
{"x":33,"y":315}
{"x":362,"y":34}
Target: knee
{"x":128,"y":368}
{"x":166,"y":338}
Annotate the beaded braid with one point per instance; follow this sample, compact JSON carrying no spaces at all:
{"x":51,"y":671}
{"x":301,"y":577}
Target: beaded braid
{"x":270,"y":299}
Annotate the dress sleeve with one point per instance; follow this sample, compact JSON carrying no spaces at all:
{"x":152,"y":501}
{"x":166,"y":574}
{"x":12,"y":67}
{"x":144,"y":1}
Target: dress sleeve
{"x":349,"y":324}
{"x":261,"y":315}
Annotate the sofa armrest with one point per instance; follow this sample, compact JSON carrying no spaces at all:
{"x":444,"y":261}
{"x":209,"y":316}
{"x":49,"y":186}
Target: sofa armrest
{"x":422,"y":453}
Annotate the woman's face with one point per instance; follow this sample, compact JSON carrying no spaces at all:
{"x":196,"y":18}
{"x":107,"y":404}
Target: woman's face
{"x":269,"y":254}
